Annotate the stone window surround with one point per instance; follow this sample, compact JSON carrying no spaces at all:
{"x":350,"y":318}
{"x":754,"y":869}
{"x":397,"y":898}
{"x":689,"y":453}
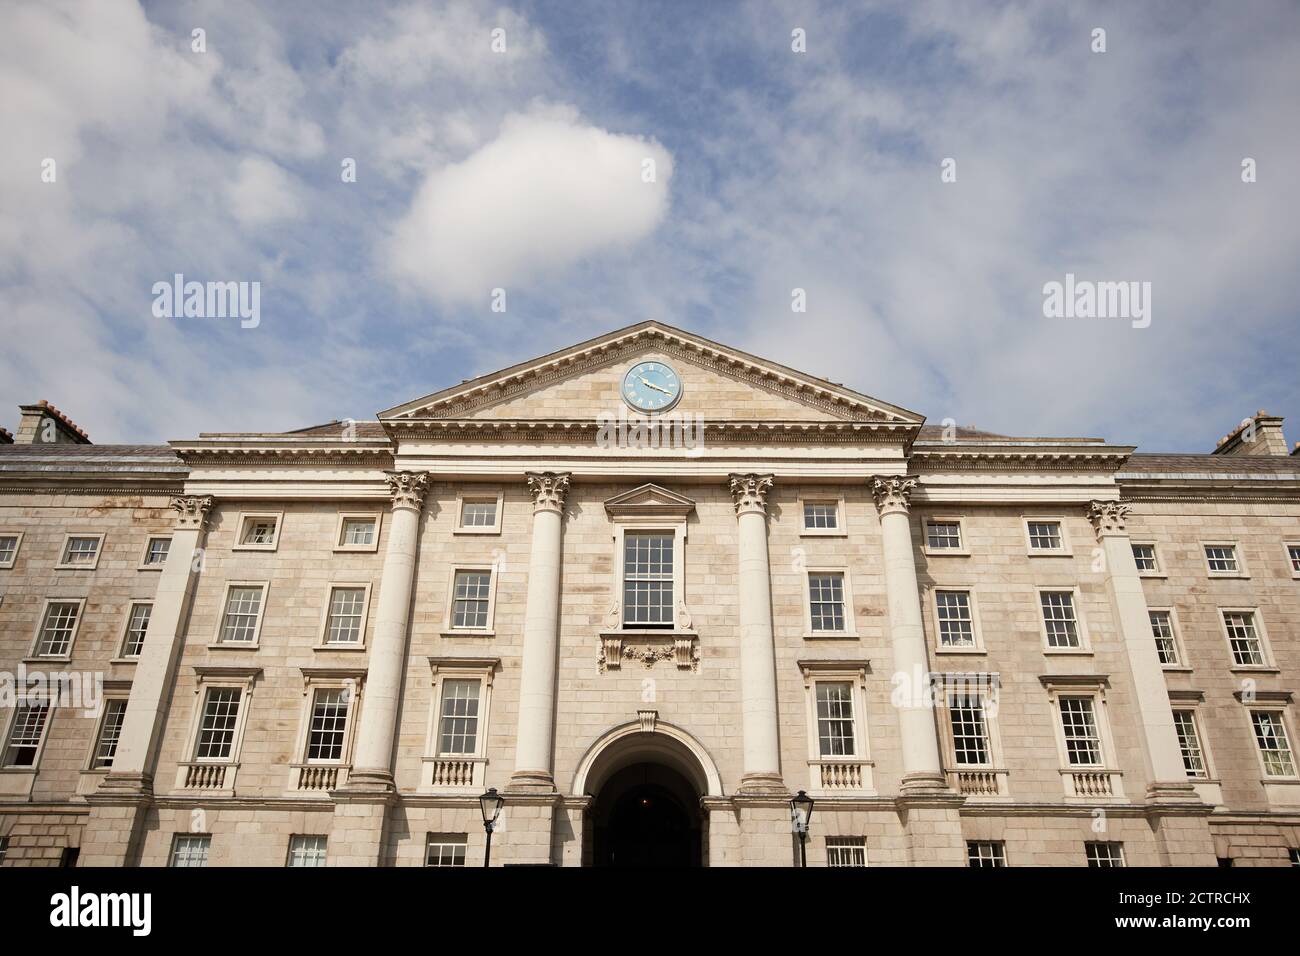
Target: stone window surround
{"x":462,"y":496}
{"x":1085,"y":685}
{"x":241,"y":523}
{"x":1242,"y":570}
{"x":322,"y":635}
{"x":7,"y":723}
{"x":433,"y":770}
{"x":124,"y":633}
{"x":144,"y":558}
{"x":62,"y":565}
{"x":932,"y":607}
{"x":18,"y":545}
{"x":853,"y":672}
{"x":960,"y":521}
{"x":850,"y":631}
{"x":1159,"y":571}
{"x":1286,"y":551}
{"x":1277,"y":702}
{"x":113,"y":690}
{"x":33,"y":656}
{"x":488,"y":630}
{"x":674,"y":526}
{"x":1261,"y":633}
{"x":217,"y":642}
{"x":208,"y":677}
{"x":1064,"y":551}
{"x":1080,"y":620}
{"x":1209,"y":786}
{"x":328,"y":678}
{"x":344,"y":516}
{"x":1176,"y":627}
{"x":993,"y":737}
{"x":835,"y":498}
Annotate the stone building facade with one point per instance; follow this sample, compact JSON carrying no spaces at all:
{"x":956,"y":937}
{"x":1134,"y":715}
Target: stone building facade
{"x":647,"y":587}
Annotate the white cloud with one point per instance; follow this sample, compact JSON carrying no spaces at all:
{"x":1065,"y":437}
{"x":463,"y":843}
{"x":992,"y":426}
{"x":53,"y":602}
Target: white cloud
{"x":547,"y":192}
{"x":263,"y":193}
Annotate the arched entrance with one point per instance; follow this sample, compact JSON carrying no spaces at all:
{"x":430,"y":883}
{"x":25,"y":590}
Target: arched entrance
{"x":645,"y":780}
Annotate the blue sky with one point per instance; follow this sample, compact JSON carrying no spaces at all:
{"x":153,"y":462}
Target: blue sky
{"x":775,"y":170}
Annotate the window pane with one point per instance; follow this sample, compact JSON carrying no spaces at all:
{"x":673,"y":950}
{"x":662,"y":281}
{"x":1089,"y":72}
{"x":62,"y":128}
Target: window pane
{"x":1270,"y":734}
{"x":969,"y":735}
{"x":1045,"y":535}
{"x":344,"y":624}
{"x":846,"y":851}
{"x":359,"y":531}
{"x":1162,"y":628}
{"x":458,"y":730}
{"x":943,"y":534}
{"x":8,"y":547}
{"x":1190,"y":743}
{"x":258,"y":531}
{"x":80,"y":551}
{"x":109,"y":733}
{"x":157,"y":551}
{"x":835,"y":719}
{"x":478,"y":513}
{"x":819,"y":515}
{"x":826,"y":601}
{"x":648,"y":579}
{"x":982,"y":853}
{"x":190,"y":850}
{"x":243,"y":605}
{"x":137,"y":625}
{"x":1144,"y":555}
{"x":1082,"y":744}
{"x":25,"y":734}
{"x":1221,"y":558}
{"x":57,"y":628}
{"x":329,"y":718}
{"x":217,"y":728}
{"x":470,"y":604}
{"x":1246,"y":648}
{"x":1105,"y":854}
{"x":1058,"y":617}
{"x":307,"y":850}
{"x":954,"y":615}
{"x":445,"y":851}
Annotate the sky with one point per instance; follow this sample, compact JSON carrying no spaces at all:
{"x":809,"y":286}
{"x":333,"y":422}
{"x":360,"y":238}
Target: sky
{"x":529,"y":176}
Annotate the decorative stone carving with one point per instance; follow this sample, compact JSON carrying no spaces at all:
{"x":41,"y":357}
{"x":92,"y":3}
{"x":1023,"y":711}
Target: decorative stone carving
{"x":192,"y":511}
{"x":684,"y":619}
{"x":549,"y":490}
{"x":893,"y":493}
{"x":1108,"y":517}
{"x":750,"y":492}
{"x":612,"y":619}
{"x":648,"y":719}
{"x":682,"y":649}
{"x":407,"y":488}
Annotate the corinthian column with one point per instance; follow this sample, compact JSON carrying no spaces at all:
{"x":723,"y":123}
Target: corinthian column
{"x":133,"y":763}
{"x":762,"y":753}
{"x":373,"y":763}
{"x":922,"y":769}
{"x":534,"y":740}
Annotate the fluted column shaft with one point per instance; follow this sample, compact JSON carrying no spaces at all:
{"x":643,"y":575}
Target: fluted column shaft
{"x":761,"y":739}
{"x":535,"y":737}
{"x":922,"y":767}
{"x":373,"y":762}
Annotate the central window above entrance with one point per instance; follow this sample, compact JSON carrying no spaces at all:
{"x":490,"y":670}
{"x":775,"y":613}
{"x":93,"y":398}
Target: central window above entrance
{"x":648,"y":579}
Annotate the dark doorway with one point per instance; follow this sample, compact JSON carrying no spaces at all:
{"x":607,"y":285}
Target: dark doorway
{"x":646,"y":815}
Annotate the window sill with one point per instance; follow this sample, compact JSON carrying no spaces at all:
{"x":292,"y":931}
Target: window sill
{"x":1222,"y":576}
{"x":1067,"y":651}
{"x":830,"y":635}
{"x":496,"y":530}
{"x":255,"y":547}
{"x":356,"y":548}
{"x":149,"y":567}
{"x":233,"y":646}
{"x":343,"y":648}
{"x":824,"y":533}
{"x":1050,"y":554}
{"x":1254,"y":669}
{"x":467,"y":632}
{"x":76,"y":567}
{"x":1152,"y":574}
{"x":124,"y":660}
{"x":944,"y":649}
{"x":61,"y":659}
{"x":945,"y":552}
{"x":1176,"y":668}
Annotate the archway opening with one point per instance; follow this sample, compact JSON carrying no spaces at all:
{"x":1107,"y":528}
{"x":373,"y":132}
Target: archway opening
{"x":647,"y":815}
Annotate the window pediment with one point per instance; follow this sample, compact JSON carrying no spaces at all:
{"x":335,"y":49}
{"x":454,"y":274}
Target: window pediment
{"x":649,"y":501}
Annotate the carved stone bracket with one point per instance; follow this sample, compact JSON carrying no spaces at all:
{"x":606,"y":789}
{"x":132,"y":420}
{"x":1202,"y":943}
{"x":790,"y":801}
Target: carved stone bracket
{"x":648,"y":719}
{"x":618,"y":646}
{"x":192,"y":511}
{"x":892,"y":493}
{"x":750,"y":492}
{"x":407,"y":488}
{"x":549,"y":490}
{"x":1108,"y":517}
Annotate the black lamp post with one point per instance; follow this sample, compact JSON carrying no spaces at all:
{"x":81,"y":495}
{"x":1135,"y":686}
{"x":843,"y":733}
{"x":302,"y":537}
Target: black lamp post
{"x":490,"y":803}
{"x":801,"y":807}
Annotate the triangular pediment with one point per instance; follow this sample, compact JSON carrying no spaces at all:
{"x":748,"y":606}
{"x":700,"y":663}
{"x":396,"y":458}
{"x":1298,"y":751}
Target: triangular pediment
{"x":649,"y":499}
{"x":718,"y":384}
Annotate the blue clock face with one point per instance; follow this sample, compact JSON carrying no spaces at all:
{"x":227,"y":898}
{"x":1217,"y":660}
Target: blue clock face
{"x":651,"y":387}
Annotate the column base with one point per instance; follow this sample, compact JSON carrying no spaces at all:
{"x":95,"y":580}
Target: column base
{"x":369,"y":782}
{"x":924,"y":783}
{"x":531,"y":781}
{"x":763,"y":785}
{"x":128,"y":787}
{"x":1173,"y":793}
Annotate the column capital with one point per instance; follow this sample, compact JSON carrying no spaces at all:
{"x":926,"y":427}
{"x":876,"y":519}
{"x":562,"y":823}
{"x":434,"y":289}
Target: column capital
{"x":191,"y":511}
{"x":407,"y":488}
{"x":893,"y":493}
{"x":549,"y":489}
{"x":750,"y":492}
{"x":1108,"y":518}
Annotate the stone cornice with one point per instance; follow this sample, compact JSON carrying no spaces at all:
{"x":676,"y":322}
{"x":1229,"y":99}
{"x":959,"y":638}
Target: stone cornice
{"x":585,"y":431}
{"x":1027,"y":456}
{"x":521,"y":379}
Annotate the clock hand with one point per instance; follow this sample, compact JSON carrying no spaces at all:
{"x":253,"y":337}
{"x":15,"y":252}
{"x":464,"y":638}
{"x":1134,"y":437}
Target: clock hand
{"x":649,"y":384}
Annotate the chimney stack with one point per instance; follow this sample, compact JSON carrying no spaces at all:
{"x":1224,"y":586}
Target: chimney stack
{"x":42,"y":423}
{"x":1259,"y":435}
